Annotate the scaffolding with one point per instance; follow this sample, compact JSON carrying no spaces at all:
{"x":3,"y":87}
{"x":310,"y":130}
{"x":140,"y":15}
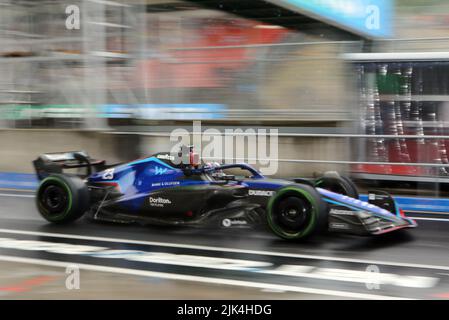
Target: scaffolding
{"x":58,"y":74}
{"x":143,"y":57}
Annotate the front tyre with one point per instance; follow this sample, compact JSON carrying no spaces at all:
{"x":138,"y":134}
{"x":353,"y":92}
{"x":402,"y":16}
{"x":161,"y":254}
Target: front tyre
{"x":296,"y":212}
{"x":338,"y":184}
{"x":62,"y":198}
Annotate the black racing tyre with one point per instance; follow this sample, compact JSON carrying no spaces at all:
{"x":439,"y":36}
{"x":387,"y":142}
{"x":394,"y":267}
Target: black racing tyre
{"x":62,"y":198}
{"x":338,"y":184}
{"x":296,"y":212}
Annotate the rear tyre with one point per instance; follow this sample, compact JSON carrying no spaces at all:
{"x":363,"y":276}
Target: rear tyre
{"x":296,"y":212}
{"x":62,"y":198}
{"x":338,"y":184}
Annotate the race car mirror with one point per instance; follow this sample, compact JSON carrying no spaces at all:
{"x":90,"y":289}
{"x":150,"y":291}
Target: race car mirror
{"x":382,"y":199}
{"x":228,"y":177}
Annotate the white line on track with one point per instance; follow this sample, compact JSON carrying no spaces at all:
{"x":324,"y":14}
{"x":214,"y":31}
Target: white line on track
{"x":427,"y":212}
{"x":429,"y":219}
{"x":17,"y":190}
{"x":17,"y":195}
{"x":208,"y":280}
{"x":223,"y":249}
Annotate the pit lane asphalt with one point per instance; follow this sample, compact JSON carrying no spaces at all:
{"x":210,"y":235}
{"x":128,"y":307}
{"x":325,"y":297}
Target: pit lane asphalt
{"x":415,"y":262}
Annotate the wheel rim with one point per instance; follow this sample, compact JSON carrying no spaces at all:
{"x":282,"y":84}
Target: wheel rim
{"x":312,"y":212}
{"x":293,"y":217}
{"x":54,"y":199}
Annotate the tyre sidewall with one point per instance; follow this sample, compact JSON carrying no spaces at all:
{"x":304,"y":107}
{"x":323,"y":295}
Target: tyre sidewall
{"x":318,"y":218}
{"x":345,"y":183}
{"x":77,"y":198}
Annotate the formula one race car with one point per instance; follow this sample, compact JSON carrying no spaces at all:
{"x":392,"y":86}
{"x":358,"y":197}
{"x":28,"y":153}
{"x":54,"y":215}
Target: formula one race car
{"x":176,"y":189}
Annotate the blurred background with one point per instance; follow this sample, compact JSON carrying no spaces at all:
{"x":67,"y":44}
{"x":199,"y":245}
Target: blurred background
{"x":359,"y":86}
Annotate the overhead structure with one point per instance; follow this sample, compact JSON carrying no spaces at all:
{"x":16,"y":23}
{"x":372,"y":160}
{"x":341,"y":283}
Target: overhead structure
{"x":369,"y":19}
{"x":226,"y":58}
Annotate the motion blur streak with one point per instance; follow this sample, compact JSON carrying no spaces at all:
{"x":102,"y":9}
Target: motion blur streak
{"x":360,"y":87}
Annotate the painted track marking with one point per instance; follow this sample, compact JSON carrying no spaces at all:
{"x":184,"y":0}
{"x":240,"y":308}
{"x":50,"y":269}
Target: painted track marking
{"x":224,"y":249}
{"x":430,"y":219}
{"x":208,"y":280}
{"x":17,"y":195}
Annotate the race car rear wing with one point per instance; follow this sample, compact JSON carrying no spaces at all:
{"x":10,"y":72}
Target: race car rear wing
{"x":49,"y":163}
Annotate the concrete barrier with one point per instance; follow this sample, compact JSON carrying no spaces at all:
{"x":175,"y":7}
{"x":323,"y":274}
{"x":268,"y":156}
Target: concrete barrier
{"x":19,"y":147}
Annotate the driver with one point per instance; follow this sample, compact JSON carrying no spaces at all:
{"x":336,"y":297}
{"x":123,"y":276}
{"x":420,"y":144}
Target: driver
{"x":217,"y":174}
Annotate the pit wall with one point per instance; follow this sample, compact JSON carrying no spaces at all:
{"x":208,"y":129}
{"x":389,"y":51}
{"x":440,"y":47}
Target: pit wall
{"x":18,"y":147}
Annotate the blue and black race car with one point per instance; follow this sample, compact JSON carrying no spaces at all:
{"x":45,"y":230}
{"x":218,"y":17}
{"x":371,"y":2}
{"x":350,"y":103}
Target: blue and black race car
{"x":176,"y":189}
